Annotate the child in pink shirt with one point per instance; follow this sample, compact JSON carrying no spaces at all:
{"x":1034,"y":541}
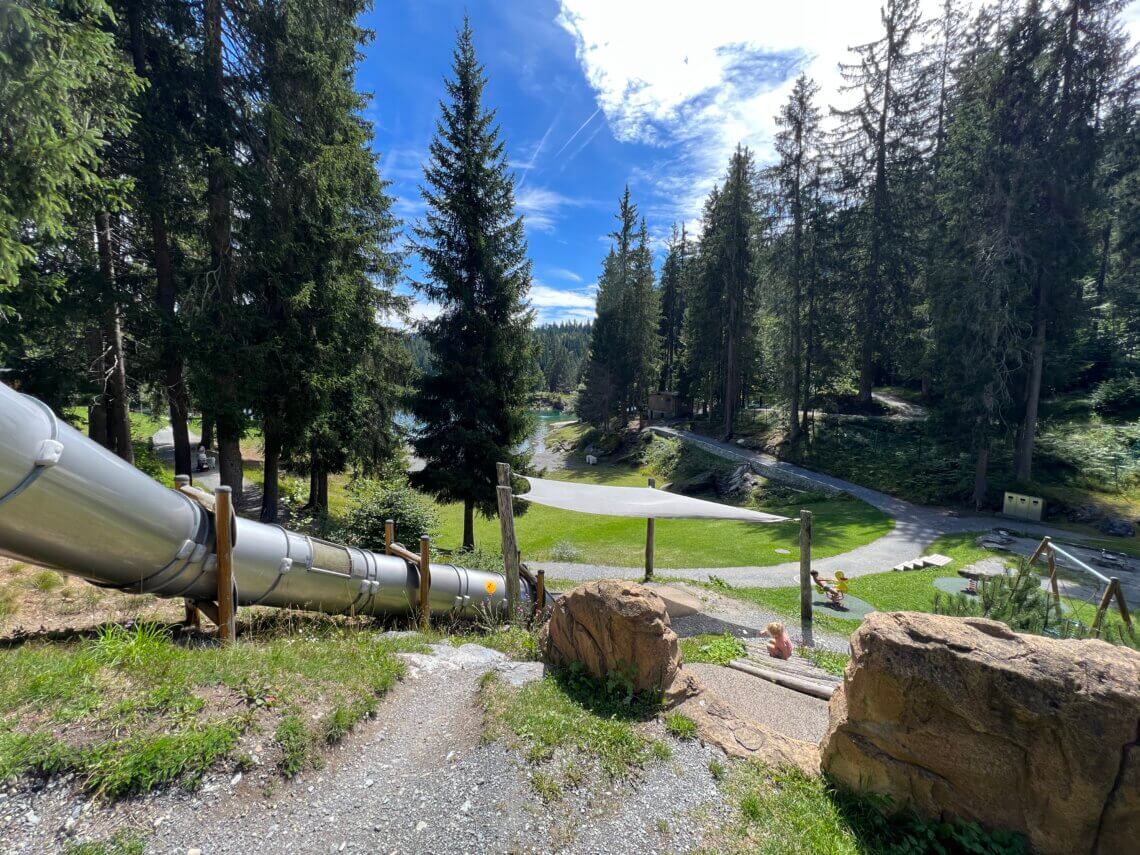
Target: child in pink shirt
{"x":780,"y":647}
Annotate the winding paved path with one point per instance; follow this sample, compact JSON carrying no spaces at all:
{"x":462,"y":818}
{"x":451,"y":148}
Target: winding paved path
{"x":916,"y":527}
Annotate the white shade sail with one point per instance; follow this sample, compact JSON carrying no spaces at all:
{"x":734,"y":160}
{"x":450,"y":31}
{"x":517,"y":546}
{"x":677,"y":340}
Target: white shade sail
{"x":645,"y":502}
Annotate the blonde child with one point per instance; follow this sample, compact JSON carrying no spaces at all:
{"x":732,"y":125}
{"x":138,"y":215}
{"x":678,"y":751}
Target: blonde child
{"x":780,"y":647}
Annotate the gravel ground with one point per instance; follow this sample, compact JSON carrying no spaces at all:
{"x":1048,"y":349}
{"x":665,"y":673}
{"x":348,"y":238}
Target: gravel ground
{"x":791,"y":713}
{"x":417,"y":778}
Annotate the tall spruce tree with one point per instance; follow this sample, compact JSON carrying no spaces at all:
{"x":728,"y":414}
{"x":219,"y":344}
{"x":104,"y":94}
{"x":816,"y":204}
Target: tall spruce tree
{"x":880,"y":149}
{"x":721,"y":309}
{"x":473,"y":401}
{"x":623,"y":345}
{"x":797,"y":179}
{"x":673,"y":280}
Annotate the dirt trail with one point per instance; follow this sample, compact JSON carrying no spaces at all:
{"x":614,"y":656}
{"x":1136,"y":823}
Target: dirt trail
{"x":415,"y":779}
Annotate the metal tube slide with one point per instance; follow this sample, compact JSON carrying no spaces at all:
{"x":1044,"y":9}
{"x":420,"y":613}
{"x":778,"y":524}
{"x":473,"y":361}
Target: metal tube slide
{"x":69,"y":504}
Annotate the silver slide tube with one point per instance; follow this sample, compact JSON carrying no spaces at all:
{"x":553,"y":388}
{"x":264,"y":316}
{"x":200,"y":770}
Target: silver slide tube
{"x":69,"y":504}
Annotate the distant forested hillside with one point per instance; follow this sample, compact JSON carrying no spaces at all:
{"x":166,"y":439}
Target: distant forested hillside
{"x":562,"y":354}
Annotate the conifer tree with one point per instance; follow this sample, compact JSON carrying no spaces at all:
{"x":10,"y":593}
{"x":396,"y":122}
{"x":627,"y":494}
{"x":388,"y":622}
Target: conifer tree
{"x":797,"y":180}
{"x":879,"y":148}
{"x":673,"y":275}
{"x":623,"y":344}
{"x":473,"y":401}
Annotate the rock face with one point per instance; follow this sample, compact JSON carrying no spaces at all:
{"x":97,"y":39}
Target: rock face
{"x":963,"y":718}
{"x":1118,"y":527}
{"x":614,"y":626}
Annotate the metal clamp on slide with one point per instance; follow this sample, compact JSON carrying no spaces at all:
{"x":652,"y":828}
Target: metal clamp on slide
{"x":47,"y":455}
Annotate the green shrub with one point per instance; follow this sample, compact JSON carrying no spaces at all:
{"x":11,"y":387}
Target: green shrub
{"x":376,"y":501}
{"x":1118,"y":397}
{"x":564,"y":550}
{"x":147,"y":461}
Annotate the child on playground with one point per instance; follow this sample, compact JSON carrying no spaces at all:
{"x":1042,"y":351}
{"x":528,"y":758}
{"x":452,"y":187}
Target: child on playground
{"x":780,"y":647}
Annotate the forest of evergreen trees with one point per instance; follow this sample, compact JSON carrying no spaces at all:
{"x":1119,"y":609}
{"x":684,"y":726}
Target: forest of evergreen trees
{"x":962,"y":218}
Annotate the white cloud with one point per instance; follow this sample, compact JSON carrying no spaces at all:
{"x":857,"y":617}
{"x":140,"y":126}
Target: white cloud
{"x":540,"y":206}
{"x":556,"y":304}
{"x":563,"y":273}
{"x":695,"y":81}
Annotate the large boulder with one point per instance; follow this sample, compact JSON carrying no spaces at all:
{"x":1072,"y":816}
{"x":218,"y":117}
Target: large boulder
{"x":963,"y":718}
{"x":613,"y":626}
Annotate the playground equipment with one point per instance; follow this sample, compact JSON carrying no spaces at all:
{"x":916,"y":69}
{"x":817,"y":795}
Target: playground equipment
{"x":69,"y":504}
{"x":1049,"y":550}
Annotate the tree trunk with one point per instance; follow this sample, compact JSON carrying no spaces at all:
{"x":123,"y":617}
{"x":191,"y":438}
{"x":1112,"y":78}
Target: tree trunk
{"x":165,"y":295}
{"x":97,"y":422}
{"x":980,"y":471}
{"x":1026,"y":434}
{"x":207,"y":438}
{"x":271,"y":484}
{"x":119,"y":411}
{"x":230,"y":468}
{"x":468,"y":524}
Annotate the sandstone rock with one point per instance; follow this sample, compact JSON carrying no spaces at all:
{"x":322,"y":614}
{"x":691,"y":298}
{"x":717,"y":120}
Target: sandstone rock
{"x":678,"y":603}
{"x":613,"y":626}
{"x":721,"y":725}
{"x":963,"y":718}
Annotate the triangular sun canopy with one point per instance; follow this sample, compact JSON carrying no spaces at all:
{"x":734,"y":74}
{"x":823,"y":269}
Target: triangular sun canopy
{"x":644,"y":502}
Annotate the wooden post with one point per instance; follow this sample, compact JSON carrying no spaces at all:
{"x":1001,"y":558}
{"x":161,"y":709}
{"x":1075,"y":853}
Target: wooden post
{"x":389,"y":535}
{"x":805,"y":575}
{"x":425,"y":581}
{"x":512,"y":558}
{"x":1041,"y":547}
{"x":1053,"y":580}
{"x":649,"y":531}
{"x":540,"y":593}
{"x":193,"y":617}
{"x":227,"y":627}
{"x":1109,"y":590}
{"x":1124,"y":615}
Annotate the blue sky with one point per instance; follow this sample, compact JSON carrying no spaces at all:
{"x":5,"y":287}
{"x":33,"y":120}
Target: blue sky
{"x":594,"y":94}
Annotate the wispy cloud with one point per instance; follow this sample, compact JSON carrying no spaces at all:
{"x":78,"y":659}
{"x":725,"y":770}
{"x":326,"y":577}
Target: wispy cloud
{"x":574,"y":135}
{"x":556,"y":304}
{"x":541,"y":206}
{"x":695,"y":82}
{"x":563,"y":273}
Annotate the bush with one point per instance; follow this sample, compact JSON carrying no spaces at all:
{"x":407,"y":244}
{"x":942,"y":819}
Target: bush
{"x":564,"y":550}
{"x":1118,"y":397}
{"x":376,"y":501}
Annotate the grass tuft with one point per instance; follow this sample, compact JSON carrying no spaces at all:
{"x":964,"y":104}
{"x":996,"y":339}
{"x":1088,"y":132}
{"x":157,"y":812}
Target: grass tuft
{"x":680,"y":726}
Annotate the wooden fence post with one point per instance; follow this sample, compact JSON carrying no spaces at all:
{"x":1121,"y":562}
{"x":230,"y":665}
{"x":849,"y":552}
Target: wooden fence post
{"x":227,"y":627}
{"x":1109,"y":590}
{"x":507,"y":536}
{"x":425,"y":581}
{"x":805,"y":575}
{"x":1053,"y":581}
{"x":389,"y":535}
{"x":649,"y":533}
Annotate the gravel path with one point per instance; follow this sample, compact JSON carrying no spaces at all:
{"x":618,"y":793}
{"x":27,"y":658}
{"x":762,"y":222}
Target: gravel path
{"x":789,"y":712}
{"x":417,"y":778}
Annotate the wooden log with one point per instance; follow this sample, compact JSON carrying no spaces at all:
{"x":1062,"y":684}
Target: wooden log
{"x":389,"y":535}
{"x":1124,"y":615}
{"x":401,"y":551}
{"x":649,"y":535}
{"x":805,"y":570}
{"x":227,"y":626}
{"x":425,"y":581}
{"x":1041,"y":547}
{"x":510,"y":548}
{"x":1109,"y":590}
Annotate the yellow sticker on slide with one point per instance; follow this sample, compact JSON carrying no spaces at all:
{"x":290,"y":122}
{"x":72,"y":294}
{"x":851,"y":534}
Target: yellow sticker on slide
{"x":490,"y":586}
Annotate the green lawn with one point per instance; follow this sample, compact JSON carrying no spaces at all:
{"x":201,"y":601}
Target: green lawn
{"x":911,"y":590}
{"x":839,"y":525}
